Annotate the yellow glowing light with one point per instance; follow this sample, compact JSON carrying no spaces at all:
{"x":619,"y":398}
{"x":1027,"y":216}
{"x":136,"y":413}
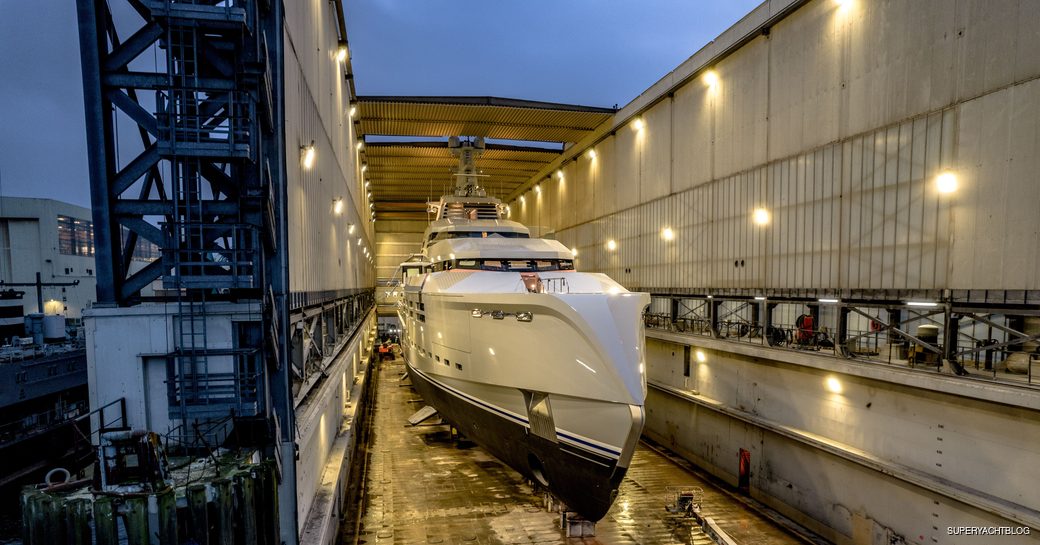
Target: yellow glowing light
{"x":538,"y":189}
{"x":574,"y":252}
{"x":360,"y":145}
{"x":491,"y":351}
{"x":369,"y":194}
{"x":359,"y":241}
{"x":53,"y":306}
{"x":559,"y":174}
{"x":842,"y":3}
{"x":833,"y":385}
{"x":592,"y":154}
{"x":367,"y":184}
{"x":523,"y":200}
{"x":946,"y":182}
{"x":711,"y":78}
{"x":337,"y":206}
{"x":353,"y":111}
{"x":638,"y":124}
{"x":667,"y":233}
{"x":701,"y":357}
{"x":611,"y":245}
{"x":309,"y":154}
{"x":350,"y":230}
{"x":760,"y":216}
{"x":341,"y":52}
{"x":364,"y":167}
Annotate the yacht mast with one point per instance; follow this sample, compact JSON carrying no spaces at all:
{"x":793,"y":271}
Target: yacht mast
{"x":466,"y":177}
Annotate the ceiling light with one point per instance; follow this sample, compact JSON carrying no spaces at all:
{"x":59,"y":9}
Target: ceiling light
{"x":922,"y":304}
{"x":828,"y":300}
{"x":760,"y":216}
{"x":759,"y":298}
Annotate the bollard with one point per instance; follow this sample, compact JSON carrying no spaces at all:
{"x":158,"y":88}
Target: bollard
{"x":105,"y":532}
{"x":136,"y":520}
{"x":33,"y":519}
{"x":198,"y":514}
{"x":245,"y":492}
{"x":269,"y":507}
{"x":77,"y":521}
{"x":166,"y":502}
{"x":225,"y":500}
{"x":54,"y":517}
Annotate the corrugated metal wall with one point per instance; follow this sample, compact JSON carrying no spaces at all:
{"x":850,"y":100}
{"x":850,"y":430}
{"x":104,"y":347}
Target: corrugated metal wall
{"x":324,"y":254}
{"x":838,"y":123}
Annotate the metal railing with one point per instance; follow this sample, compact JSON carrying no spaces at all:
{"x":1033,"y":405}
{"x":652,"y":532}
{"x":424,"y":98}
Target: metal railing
{"x":990,"y":343}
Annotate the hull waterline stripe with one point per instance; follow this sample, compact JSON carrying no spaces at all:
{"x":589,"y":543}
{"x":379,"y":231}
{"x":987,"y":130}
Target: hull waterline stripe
{"x":512,"y":416}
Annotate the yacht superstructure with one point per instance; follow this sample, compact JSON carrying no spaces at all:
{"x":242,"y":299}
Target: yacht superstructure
{"x":538,"y":363}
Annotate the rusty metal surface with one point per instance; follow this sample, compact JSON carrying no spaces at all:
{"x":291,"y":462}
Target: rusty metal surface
{"x":423,"y":487}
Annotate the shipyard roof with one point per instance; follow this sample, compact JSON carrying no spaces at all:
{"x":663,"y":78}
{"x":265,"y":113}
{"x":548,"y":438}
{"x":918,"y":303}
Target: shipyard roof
{"x":406,"y":171}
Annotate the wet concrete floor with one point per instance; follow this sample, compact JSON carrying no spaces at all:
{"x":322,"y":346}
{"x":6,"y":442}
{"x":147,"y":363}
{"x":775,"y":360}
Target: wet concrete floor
{"x":420,"y":486}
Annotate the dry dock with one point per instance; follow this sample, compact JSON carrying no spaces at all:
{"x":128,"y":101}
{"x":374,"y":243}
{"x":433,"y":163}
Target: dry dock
{"x":420,"y":486}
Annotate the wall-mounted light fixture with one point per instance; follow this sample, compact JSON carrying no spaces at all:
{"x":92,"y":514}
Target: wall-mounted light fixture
{"x":337,"y":205}
{"x":307,"y":155}
{"x":638,"y":124}
{"x":946,"y":182}
{"x":341,"y":51}
{"x":760,"y":216}
{"x":711,"y":78}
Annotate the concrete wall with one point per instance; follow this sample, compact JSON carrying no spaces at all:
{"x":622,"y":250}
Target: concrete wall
{"x":857,"y":459}
{"x":323,"y":246}
{"x":837,"y":122}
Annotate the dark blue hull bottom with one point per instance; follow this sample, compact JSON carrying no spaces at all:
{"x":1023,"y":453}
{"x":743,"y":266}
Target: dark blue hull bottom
{"x":585,"y":482}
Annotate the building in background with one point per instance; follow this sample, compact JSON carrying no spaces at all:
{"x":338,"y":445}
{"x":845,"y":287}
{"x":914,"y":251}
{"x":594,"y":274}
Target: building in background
{"x":55,"y":239}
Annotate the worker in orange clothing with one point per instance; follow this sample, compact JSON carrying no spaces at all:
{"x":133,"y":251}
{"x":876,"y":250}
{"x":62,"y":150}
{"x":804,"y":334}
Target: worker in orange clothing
{"x":384,"y":352}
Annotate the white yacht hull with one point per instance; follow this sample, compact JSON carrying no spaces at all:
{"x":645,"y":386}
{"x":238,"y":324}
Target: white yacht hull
{"x":559,"y":398}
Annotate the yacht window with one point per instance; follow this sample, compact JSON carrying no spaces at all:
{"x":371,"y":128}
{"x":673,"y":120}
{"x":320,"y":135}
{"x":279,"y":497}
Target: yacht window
{"x":493,"y":265}
{"x":519,"y":265}
{"x":544,"y":265}
{"x":467,"y":263}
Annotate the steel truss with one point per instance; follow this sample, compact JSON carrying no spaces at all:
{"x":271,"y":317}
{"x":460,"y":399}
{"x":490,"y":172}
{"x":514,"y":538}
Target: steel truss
{"x":201,"y":175}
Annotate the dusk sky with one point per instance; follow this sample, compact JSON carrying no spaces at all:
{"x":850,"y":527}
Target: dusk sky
{"x":593,"y":52}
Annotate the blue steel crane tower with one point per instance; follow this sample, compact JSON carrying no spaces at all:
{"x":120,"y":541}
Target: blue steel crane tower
{"x":206,"y":183}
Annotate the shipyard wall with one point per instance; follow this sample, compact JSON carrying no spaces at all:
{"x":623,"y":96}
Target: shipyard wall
{"x":850,"y":452}
{"x":837,"y":120}
{"x":323,"y":235}
{"x":396,"y":240}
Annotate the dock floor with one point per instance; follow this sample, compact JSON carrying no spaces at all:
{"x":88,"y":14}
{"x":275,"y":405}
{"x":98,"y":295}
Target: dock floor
{"x":422,"y":487}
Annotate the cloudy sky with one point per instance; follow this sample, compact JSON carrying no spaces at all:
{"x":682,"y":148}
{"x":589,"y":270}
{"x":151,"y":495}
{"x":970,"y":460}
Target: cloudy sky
{"x":593,"y":52}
